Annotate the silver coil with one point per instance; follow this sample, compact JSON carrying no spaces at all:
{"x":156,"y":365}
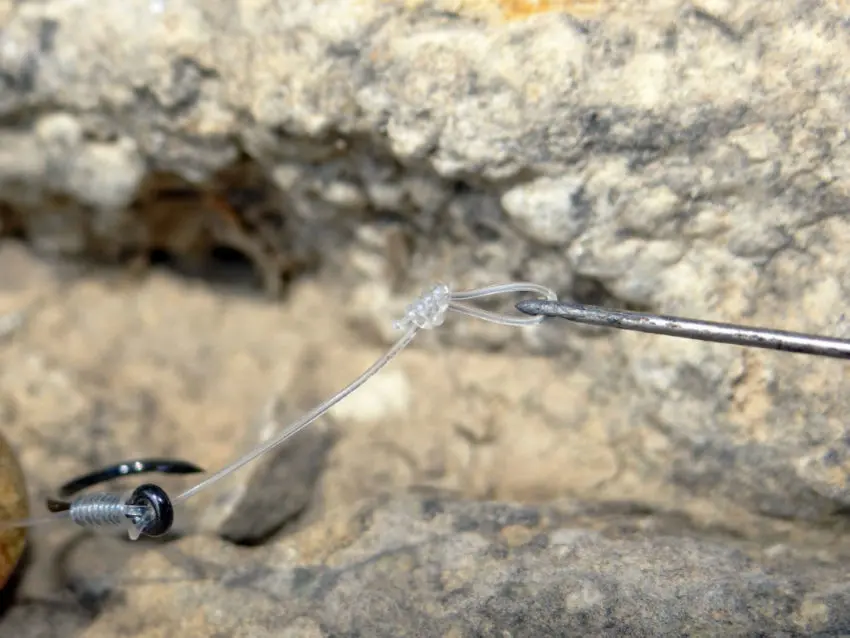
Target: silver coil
{"x":98,"y":510}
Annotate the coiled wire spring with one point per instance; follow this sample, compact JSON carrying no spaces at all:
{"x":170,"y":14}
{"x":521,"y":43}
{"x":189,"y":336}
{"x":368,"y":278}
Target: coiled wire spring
{"x":103,"y":509}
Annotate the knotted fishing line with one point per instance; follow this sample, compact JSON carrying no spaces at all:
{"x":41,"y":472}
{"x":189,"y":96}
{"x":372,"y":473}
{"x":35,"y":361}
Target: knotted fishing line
{"x":149,"y":511}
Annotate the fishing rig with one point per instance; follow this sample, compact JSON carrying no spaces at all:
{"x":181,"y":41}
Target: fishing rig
{"x":149,"y":510}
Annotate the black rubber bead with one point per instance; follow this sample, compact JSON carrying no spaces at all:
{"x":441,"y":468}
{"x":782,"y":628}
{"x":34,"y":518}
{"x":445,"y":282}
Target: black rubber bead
{"x":153,"y":496}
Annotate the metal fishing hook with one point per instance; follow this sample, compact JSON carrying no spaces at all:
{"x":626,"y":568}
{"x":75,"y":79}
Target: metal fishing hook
{"x":148,"y":508}
{"x":717,"y":332}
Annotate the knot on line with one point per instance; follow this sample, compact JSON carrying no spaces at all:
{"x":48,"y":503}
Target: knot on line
{"x":428,"y":311}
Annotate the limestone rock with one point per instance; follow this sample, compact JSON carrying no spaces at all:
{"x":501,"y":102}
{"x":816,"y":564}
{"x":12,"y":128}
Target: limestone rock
{"x":14,"y":504}
{"x":431,"y":566}
{"x":99,"y":369}
{"x":687,"y":158}
{"x":548,"y":210}
{"x":391,"y":144}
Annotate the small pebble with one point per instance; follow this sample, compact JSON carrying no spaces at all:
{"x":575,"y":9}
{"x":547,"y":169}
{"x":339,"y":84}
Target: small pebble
{"x":14,"y":504}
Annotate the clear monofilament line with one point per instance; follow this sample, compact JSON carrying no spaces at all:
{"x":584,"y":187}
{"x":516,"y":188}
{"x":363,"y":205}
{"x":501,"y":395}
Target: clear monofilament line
{"x":305,"y":420}
{"x":501,"y":289}
{"x":425,"y":313}
{"x":33,"y":522}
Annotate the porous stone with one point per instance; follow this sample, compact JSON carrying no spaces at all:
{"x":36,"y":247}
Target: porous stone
{"x":394,"y":144}
{"x":434,"y":566}
{"x":705,"y":190}
{"x":548,"y":210}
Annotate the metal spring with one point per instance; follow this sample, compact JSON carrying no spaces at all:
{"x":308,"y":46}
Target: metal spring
{"x":98,"y":510}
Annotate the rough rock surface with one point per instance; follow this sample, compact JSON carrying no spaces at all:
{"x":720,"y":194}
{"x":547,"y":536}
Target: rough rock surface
{"x":431,"y":566}
{"x":686,"y":157}
{"x":99,"y":368}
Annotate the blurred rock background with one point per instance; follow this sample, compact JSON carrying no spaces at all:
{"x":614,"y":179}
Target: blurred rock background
{"x":212,"y":212}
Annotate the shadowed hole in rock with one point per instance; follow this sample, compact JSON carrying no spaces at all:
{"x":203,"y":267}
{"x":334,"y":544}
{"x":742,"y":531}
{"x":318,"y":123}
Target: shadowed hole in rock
{"x":232,"y":232}
{"x":222,"y":267}
{"x":10,"y":223}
